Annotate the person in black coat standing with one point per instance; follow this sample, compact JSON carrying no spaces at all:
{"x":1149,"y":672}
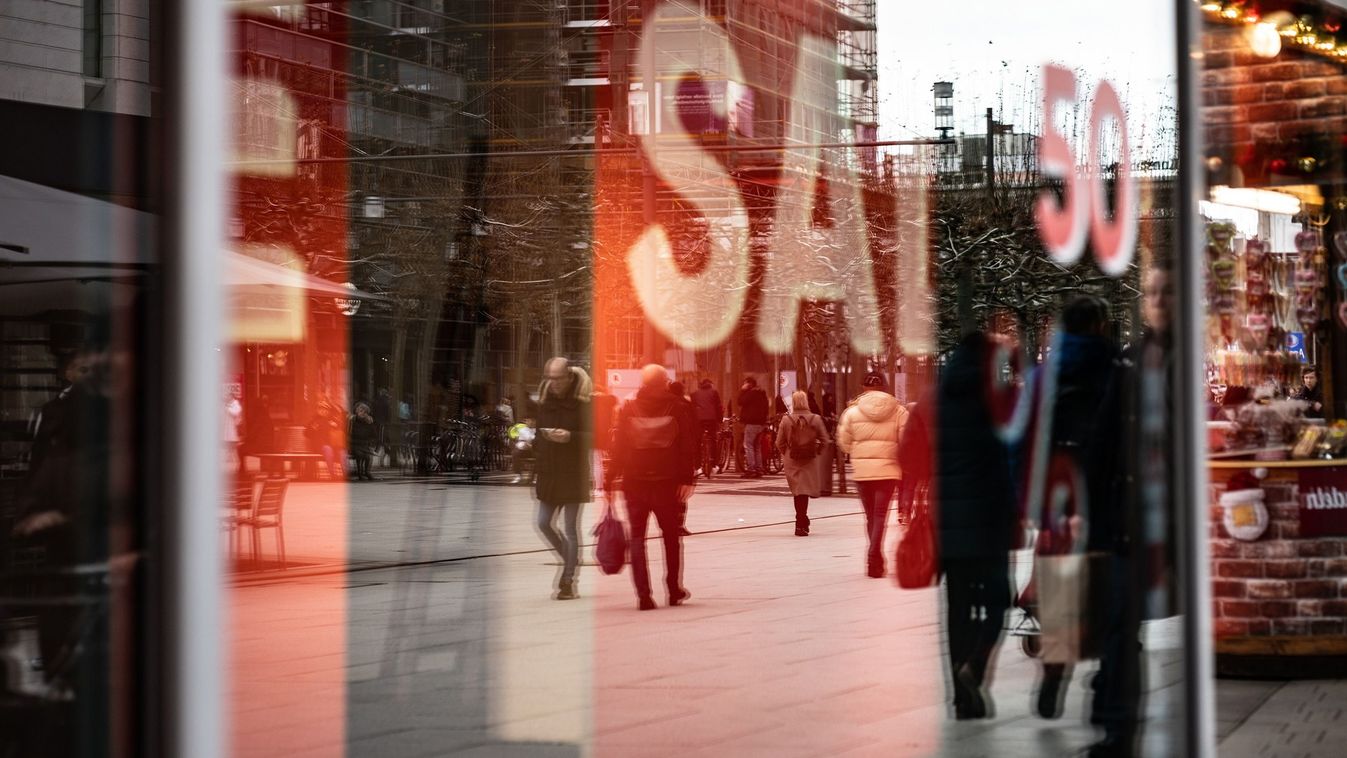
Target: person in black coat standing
{"x":655,"y":458}
{"x":562,"y":465}
{"x":977,"y":511}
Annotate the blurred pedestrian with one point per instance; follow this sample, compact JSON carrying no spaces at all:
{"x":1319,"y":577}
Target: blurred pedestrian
{"x":800,"y":438}
{"x":562,"y":466}
{"x":869,"y":431}
{"x":753,"y":412}
{"x":364,"y":435}
{"x":977,"y":512}
{"x":679,"y":393}
{"x":710,"y":414}
{"x":1083,"y":363}
{"x":655,"y":459}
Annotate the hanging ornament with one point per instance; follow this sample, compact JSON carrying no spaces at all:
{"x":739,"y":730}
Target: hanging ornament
{"x":1342,"y":314}
{"x":1307,"y":164}
{"x":1256,"y":328}
{"x":1255,"y":253}
{"x":1277,"y":165}
{"x":1223,"y":272}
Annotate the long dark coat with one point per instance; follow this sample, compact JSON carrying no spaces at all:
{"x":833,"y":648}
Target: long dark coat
{"x":563,"y":468}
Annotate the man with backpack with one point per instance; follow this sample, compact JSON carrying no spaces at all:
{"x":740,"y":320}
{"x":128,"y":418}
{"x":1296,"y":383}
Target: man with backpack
{"x":654,"y":455}
{"x":800,"y":439}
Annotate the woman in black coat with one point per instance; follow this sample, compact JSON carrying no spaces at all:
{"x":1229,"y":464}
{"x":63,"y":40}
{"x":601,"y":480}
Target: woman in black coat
{"x":562,"y":463}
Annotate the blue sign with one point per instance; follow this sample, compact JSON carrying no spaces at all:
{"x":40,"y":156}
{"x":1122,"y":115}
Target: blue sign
{"x":1295,"y":343}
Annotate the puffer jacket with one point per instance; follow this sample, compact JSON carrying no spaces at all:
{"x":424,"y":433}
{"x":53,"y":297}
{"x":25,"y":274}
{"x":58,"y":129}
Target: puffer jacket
{"x":869,"y":431}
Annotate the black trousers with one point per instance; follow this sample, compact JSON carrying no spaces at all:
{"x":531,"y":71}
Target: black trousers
{"x":875,"y":497}
{"x":801,"y":511}
{"x":978,"y":595}
{"x":1116,"y":705}
{"x":660,"y":500}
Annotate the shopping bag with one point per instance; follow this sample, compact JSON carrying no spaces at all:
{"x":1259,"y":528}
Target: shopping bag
{"x":1069,"y":617}
{"x":917,"y":563}
{"x":611,"y":548}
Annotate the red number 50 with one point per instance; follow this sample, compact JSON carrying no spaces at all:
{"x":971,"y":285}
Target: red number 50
{"x":1083,"y":208}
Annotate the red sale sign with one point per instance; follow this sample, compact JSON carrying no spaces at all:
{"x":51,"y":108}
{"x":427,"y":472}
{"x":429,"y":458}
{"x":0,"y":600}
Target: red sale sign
{"x":1323,"y":502}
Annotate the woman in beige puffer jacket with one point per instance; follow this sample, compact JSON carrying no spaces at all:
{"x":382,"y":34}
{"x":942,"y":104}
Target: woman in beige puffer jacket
{"x":869,"y":431}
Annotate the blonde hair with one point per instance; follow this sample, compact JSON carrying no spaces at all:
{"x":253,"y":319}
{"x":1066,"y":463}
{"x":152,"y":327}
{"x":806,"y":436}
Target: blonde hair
{"x":799,"y":401}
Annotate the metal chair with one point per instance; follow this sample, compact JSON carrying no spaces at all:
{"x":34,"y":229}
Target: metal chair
{"x":243,"y":505}
{"x":268,"y":514}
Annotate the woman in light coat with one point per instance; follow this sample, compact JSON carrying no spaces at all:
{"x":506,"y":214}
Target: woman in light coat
{"x":802,"y":474}
{"x":869,"y":431}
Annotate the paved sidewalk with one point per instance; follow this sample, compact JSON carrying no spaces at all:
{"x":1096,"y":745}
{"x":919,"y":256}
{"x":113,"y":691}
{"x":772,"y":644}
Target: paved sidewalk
{"x":442,"y":639}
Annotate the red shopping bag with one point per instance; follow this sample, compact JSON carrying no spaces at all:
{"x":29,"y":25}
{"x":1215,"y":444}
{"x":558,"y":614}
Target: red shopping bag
{"x":611,"y":549}
{"x":917,"y":562}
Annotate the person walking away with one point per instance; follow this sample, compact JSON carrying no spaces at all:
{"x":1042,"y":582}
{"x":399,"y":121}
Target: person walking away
{"x":679,"y":392}
{"x":561,"y":468}
{"x":977,"y":512}
{"x":1085,"y":364}
{"x":753,"y":410}
{"x":1133,"y":514}
{"x":655,"y":460}
{"x":800,"y":438}
{"x":710,"y":413}
{"x":869,"y":431}
{"x":383,"y":415}
{"x":364,"y":436}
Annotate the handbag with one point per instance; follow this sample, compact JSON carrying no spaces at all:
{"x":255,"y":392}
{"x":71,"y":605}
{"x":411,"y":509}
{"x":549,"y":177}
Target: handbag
{"x":916,"y":561}
{"x":1069,"y":591}
{"x":611,"y":548}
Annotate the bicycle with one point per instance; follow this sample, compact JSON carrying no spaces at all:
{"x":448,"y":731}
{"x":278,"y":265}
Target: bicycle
{"x":709,"y":454}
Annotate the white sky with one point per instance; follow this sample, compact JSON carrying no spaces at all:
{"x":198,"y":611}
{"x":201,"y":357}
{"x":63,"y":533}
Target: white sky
{"x":993,"y":51}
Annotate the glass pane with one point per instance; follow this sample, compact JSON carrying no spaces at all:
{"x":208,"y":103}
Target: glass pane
{"x":881,"y":283}
{"x":80,"y":398}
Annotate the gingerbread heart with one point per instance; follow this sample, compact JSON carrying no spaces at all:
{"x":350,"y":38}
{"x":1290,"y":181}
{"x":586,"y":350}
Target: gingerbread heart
{"x":1255,"y":252}
{"x":1308,"y":242}
{"x":1257,"y":326}
{"x":1224,"y":303}
{"x":1223,"y":271}
{"x":1308,"y":318}
{"x":1307,"y":280}
{"x":1342,"y":314}
{"x":1306,"y":300}
{"x":1342,"y":275}
{"x":1221,"y":233}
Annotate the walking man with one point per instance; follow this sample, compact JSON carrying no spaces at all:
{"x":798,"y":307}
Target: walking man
{"x":753,"y":415}
{"x":869,"y":431}
{"x":562,"y":467}
{"x":655,"y":458}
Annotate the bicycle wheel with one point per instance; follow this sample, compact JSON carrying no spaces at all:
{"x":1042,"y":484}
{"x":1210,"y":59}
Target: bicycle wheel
{"x":726,"y":442}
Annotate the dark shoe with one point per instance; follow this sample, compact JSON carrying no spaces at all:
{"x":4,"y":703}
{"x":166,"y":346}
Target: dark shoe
{"x":1052,"y":691}
{"x":679,"y":597}
{"x":1112,"y":747}
{"x":567,"y":592}
{"x":876,"y":571}
{"x":683,"y":531}
{"x":648,"y":604}
{"x":801,"y":532}
{"x":970,"y":703}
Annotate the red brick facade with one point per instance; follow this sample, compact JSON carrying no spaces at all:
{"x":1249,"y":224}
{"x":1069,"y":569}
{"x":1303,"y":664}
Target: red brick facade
{"x":1279,"y":585}
{"x":1257,"y":110}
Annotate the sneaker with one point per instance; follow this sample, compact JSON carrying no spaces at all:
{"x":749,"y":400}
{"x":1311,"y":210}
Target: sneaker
{"x":801,"y":532}
{"x":648,"y":604}
{"x":567,"y":592}
{"x":678,"y":598}
{"x":876,"y":571}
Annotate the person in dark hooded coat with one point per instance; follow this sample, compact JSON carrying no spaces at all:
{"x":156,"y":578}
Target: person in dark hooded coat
{"x":562,"y":465}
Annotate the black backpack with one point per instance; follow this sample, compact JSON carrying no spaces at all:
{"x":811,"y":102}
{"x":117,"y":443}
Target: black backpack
{"x":803,"y":448}
{"x":652,"y":442}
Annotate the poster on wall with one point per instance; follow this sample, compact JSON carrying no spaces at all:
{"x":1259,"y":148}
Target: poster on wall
{"x":1323,"y":502}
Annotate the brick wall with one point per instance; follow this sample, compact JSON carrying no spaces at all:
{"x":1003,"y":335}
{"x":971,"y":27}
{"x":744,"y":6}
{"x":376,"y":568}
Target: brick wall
{"x":1279,"y":585}
{"x":1256,"y":109}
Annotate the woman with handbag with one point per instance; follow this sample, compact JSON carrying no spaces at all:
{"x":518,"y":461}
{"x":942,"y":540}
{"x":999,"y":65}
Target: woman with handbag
{"x":800,"y":438}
